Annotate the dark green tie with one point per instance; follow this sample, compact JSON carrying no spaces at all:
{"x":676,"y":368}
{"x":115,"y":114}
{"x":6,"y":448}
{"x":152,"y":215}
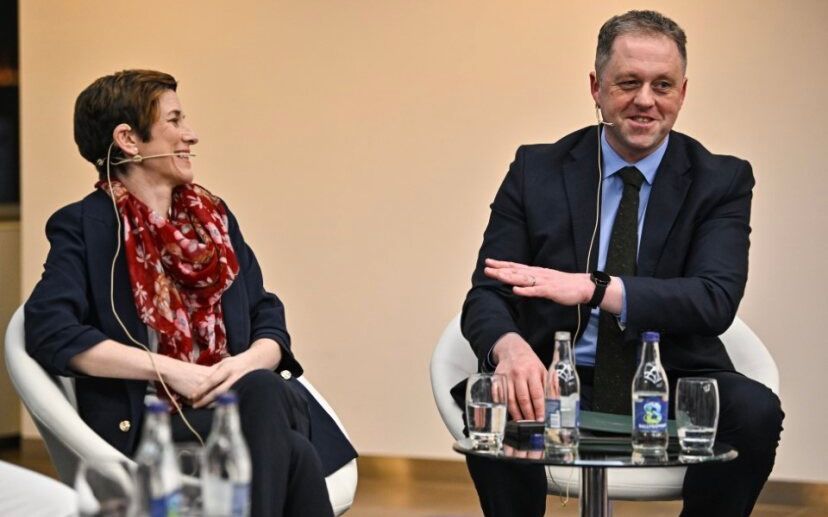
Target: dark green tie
{"x":615,"y":361}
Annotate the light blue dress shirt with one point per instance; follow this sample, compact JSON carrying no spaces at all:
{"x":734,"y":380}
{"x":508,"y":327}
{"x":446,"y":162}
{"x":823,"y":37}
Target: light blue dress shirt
{"x":612,"y":188}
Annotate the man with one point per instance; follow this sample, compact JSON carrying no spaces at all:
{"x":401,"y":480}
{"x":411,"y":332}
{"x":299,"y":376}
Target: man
{"x":616,"y":229}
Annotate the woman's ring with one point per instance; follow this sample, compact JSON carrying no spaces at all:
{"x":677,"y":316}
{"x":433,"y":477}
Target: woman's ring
{"x":533,"y":281}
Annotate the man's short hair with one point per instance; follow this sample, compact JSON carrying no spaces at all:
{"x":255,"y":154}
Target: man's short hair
{"x":637,"y":22}
{"x":130,"y":97}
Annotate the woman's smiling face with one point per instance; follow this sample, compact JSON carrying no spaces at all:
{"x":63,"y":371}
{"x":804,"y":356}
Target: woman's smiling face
{"x":169,"y":134}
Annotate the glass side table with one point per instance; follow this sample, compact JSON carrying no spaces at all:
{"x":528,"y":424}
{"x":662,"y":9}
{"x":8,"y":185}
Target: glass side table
{"x":594,"y":456}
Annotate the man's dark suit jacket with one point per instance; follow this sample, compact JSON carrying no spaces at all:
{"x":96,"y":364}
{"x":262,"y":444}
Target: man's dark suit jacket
{"x":69,"y":311}
{"x":692,"y":260}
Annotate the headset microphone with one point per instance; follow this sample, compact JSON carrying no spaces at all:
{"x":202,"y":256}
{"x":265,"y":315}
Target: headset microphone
{"x":138,"y":158}
{"x":600,"y":118}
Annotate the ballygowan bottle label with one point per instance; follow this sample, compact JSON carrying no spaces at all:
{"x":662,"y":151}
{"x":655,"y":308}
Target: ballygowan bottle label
{"x":168,"y":505}
{"x":563,"y":413}
{"x":553,"y":413}
{"x":241,"y":499}
{"x":651,"y":414}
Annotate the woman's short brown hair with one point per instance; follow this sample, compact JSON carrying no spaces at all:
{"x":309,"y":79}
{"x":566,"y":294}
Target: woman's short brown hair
{"x":130,"y":97}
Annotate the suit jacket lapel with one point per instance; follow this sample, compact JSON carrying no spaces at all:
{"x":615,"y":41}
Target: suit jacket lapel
{"x":581,"y":183}
{"x":101,"y":246}
{"x":669,"y":190}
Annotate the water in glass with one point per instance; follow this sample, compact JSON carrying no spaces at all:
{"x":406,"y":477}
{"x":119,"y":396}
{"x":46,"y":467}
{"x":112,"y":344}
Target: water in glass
{"x":697,"y":413}
{"x":486,"y":408}
{"x":486,"y":421}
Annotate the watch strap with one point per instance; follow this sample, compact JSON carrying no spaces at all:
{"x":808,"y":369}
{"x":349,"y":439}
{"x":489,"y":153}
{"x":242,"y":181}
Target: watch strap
{"x":601,"y":281}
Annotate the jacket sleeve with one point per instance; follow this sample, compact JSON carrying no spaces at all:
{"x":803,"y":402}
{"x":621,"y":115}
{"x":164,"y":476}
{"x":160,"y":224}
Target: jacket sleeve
{"x":58,"y":308}
{"x":489,"y":311}
{"x":705,"y":298}
{"x":267,"y":313}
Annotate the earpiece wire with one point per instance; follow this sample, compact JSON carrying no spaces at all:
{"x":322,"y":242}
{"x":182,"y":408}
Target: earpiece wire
{"x":115,"y":312}
{"x":565,"y":498}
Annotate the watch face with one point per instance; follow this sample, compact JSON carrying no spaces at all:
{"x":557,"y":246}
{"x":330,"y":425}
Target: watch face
{"x":600,"y":278}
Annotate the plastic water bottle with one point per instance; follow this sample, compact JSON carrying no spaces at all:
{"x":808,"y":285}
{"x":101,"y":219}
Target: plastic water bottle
{"x":650,"y":399}
{"x":563,"y":399}
{"x":226,"y":470}
{"x":159,"y":480}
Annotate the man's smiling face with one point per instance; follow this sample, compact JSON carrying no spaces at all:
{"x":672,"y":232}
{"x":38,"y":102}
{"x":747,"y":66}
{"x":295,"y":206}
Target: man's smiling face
{"x":640,"y":91}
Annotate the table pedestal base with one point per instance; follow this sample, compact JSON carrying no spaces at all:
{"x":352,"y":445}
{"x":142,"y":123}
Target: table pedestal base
{"x":594,"y":501}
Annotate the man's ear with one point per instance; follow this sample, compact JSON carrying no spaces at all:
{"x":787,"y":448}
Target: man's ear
{"x":125,"y":139}
{"x":594,"y":86}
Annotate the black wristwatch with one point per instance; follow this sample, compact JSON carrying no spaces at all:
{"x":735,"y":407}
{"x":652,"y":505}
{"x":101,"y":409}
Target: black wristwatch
{"x":601,"y":281}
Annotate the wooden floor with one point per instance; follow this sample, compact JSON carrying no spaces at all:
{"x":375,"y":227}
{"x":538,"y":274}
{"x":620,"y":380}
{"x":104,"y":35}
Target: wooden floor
{"x":419,"y":488}
{"x":381,"y":498}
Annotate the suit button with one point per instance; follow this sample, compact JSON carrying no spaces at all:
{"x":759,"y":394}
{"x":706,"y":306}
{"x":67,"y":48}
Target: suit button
{"x":286,"y":375}
{"x":125,"y":426}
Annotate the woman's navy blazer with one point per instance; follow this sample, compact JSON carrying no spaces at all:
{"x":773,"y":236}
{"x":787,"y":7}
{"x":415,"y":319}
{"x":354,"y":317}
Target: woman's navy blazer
{"x":69,"y":311}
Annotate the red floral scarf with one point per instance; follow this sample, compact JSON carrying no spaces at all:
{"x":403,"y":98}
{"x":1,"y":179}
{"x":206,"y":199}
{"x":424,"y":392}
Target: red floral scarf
{"x":179,"y":267}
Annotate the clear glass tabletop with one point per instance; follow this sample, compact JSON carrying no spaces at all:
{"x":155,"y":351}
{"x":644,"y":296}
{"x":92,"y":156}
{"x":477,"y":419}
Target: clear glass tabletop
{"x":598,"y":452}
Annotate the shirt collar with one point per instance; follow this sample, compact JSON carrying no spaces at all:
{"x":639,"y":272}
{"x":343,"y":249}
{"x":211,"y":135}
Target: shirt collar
{"x":647,"y":165}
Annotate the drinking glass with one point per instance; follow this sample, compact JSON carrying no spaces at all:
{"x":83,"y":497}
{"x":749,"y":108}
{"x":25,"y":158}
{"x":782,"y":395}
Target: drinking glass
{"x":697,"y":413}
{"x":695,"y":456}
{"x":486,"y":409}
{"x":188,"y":455}
{"x":106,"y":488}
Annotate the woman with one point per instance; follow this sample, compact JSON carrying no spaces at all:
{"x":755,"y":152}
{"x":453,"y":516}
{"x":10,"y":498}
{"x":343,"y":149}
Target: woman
{"x":187,"y":286}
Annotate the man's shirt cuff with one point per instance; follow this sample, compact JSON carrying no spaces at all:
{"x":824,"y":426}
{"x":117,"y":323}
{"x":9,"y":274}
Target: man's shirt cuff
{"x":488,"y":362}
{"x":622,"y":318}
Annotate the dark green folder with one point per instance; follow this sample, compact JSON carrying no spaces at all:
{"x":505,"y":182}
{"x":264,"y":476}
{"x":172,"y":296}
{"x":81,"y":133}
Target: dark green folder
{"x":615,"y":424}
{"x":604,"y":432}
{"x":610,"y":432}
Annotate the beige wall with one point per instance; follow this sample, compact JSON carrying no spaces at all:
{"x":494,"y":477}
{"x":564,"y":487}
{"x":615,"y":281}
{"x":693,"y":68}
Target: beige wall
{"x":360,"y":143}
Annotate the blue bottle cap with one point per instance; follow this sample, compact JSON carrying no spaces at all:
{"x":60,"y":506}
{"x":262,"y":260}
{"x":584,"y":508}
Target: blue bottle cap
{"x":650,"y":336}
{"x":228,"y":397}
{"x":536,"y":441}
{"x":157,"y":406}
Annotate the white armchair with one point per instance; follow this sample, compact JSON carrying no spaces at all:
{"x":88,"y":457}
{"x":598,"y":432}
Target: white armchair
{"x":52,"y":404}
{"x":23,"y":492}
{"x":453,"y":361}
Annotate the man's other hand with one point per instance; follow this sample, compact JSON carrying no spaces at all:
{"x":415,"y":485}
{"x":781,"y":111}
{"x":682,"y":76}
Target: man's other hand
{"x":525,"y":374}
